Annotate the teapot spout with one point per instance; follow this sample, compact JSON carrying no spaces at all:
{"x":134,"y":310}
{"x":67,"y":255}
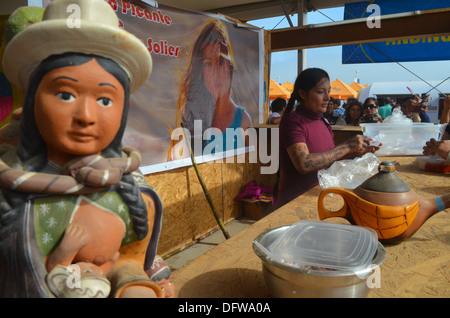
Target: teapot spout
{"x":428,"y":208}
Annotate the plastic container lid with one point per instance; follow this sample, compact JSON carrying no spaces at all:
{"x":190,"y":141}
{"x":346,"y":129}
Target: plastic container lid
{"x":326,"y":246}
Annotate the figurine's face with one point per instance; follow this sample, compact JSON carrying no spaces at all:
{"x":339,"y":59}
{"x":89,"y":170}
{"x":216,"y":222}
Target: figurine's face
{"x":78,"y":110}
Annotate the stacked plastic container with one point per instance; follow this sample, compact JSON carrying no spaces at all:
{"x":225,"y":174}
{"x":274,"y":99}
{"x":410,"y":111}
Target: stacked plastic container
{"x":325,"y":246}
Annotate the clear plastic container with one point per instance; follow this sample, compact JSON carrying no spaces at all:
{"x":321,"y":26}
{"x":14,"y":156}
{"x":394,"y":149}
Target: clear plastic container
{"x":401,"y":139}
{"x":326,"y":246}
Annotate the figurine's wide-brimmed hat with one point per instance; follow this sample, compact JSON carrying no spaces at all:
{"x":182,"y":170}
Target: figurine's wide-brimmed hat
{"x":80,"y":26}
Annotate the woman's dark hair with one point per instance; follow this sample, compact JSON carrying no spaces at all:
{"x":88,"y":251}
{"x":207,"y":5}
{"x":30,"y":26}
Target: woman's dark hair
{"x":336,"y":101}
{"x":32,"y":153}
{"x":384,"y":100}
{"x":305,"y":81}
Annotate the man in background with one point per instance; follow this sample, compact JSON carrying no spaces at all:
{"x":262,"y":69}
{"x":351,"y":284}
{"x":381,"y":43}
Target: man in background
{"x":385,"y":109}
{"x":278,"y":106}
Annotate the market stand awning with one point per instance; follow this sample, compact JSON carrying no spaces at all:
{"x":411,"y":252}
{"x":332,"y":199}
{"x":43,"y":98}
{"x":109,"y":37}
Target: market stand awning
{"x":341,"y":91}
{"x":356,"y":86}
{"x":276,"y":90}
{"x":288,"y":86}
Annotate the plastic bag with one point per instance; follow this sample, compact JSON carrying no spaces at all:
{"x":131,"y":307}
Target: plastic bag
{"x":349,"y":173}
{"x":397,"y":117}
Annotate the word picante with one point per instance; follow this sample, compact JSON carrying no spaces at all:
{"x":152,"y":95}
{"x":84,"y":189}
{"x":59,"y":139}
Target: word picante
{"x":136,"y":11}
{"x":430,"y":39}
{"x":162,"y":48}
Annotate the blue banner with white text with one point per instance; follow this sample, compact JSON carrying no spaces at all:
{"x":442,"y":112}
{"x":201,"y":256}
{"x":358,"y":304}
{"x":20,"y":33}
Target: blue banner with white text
{"x":399,"y":50}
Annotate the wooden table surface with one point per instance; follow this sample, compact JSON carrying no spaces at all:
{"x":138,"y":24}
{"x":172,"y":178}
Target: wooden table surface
{"x":417,"y":267}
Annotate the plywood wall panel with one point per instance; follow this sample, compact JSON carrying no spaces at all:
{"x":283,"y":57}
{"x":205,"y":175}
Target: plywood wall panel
{"x":187,"y":214}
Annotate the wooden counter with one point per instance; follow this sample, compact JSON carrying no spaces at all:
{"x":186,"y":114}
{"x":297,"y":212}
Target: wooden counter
{"x":418,"y":267}
{"x":341,"y":132}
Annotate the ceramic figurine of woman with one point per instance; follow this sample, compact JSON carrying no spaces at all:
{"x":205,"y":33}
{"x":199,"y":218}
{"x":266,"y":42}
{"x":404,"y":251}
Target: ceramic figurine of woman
{"x":72,"y":200}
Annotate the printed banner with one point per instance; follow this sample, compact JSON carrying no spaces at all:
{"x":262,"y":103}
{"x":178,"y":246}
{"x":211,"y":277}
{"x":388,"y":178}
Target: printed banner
{"x":207,"y":70}
{"x":400,"y":50}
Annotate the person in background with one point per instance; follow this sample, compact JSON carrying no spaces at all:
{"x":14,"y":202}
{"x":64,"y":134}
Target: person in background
{"x":420,"y":114}
{"x":408,"y":107}
{"x":353,"y":114}
{"x":337,"y":107}
{"x":396,"y":106}
{"x":370,"y":111}
{"x":306,"y":138}
{"x":348,"y":101}
{"x":425,"y":97}
{"x":278,"y":107}
{"x":393,"y":102}
{"x":424,"y":118}
{"x":385,"y":110}
{"x":445,"y":116}
{"x":351,"y":100}
{"x":418,"y":98}
{"x":331,"y":114}
{"x":442,"y":147}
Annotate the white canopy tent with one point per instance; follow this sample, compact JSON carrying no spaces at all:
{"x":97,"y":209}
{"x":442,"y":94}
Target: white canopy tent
{"x":400,"y":90}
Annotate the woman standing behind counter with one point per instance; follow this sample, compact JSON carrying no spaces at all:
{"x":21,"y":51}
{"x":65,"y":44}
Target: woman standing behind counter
{"x":306,"y":139}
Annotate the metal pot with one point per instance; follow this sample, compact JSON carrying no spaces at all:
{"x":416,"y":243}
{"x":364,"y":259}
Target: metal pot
{"x":285,"y":281}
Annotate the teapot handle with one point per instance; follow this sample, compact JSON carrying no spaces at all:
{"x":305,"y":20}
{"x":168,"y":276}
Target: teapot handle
{"x":324,"y":213}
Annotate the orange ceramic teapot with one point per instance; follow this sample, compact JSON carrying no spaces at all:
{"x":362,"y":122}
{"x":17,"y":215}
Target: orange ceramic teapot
{"x":386,"y":204}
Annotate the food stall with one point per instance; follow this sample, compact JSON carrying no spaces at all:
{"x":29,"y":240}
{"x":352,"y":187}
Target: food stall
{"x":232,"y":269}
{"x":417,"y":267}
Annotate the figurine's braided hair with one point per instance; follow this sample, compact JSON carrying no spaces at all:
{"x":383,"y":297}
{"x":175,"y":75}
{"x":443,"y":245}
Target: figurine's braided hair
{"x":32,"y":154}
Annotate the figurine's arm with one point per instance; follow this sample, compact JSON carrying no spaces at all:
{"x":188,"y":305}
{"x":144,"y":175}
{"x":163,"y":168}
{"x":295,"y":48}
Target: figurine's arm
{"x":75,"y":237}
{"x":128,"y":278}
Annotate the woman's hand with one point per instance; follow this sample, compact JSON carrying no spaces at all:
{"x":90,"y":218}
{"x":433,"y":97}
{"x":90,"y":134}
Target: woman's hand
{"x":442,"y":148}
{"x":306,"y":162}
{"x":360,"y":145}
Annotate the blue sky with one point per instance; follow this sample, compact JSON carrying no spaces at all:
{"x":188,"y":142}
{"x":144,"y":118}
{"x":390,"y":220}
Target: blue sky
{"x":284,"y":64}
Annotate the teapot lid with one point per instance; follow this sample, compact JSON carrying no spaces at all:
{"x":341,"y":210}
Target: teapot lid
{"x":386,"y":180}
